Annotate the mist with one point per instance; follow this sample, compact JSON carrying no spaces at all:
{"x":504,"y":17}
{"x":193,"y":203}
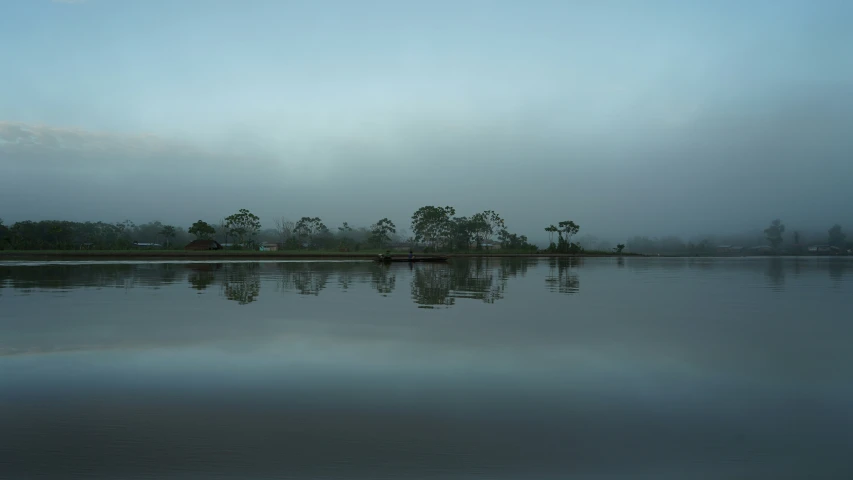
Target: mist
{"x":653,"y":120}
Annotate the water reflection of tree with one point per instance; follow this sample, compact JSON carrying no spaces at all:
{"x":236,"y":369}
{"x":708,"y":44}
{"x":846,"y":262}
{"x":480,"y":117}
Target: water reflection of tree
{"x":837,"y":269}
{"x":775,"y":273}
{"x":475,"y":279}
{"x":383,"y":278}
{"x":202,"y":275}
{"x":345,"y":275}
{"x":562,"y":276}
{"x":242,"y":282}
{"x":306,"y":278}
{"x":155,"y":275}
{"x":797,"y":266}
{"x":431,"y":285}
{"x":514,"y":266}
{"x":169,"y":273}
{"x":98,"y":275}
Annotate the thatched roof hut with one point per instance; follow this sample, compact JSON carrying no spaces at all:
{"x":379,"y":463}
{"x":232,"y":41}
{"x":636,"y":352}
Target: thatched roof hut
{"x":203,"y":245}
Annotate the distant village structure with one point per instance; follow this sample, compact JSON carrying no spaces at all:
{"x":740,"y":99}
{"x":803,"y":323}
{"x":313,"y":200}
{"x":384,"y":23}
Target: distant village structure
{"x":146,"y":245}
{"x":268,"y":247}
{"x":202,"y":244}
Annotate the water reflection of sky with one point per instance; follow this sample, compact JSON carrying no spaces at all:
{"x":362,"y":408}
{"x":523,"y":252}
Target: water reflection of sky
{"x":672,"y":367}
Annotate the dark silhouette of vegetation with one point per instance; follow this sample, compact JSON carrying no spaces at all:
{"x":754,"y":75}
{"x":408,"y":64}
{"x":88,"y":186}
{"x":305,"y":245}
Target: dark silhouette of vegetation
{"x":433,"y":225}
{"x":440,"y":230}
{"x":168,"y":232}
{"x":512,"y":241}
{"x":4,"y":235}
{"x":434,"y":229}
{"x":774,"y":232}
{"x":484,"y":225}
{"x":564,"y":243}
{"x":202,"y":230}
{"x":242,"y":225}
{"x":344,"y":232}
{"x":797,"y":247}
{"x":380,"y":232}
{"x":704,"y":246}
{"x":836,"y":236}
{"x":749,"y":243}
{"x":551,"y":229}
{"x":570,"y":228}
{"x":308,"y":229}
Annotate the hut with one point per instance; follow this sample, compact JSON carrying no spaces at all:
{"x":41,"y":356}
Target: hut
{"x":202,"y":244}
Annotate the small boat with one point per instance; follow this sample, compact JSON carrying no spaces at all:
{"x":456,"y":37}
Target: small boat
{"x":412,"y":260}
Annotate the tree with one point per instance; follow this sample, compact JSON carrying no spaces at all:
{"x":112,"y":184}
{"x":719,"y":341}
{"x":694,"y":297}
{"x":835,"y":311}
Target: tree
{"x":167,"y":232}
{"x":380,"y":232}
{"x":774,"y":232}
{"x":307,"y":228}
{"x":474,"y":231}
{"x":123,"y":232}
{"x":462,"y":233}
{"x":202,"y":230}
{"x":796,"y":237}
{"x":287,"y":233}
{"x":836,"y":236}
{"x":242,"y":224}
{"x":551,"y":229}
{"x":433,"y":224}
{"x":512,"y":241}
{"x":569,"y":228}
{"x":222,"y":229}
{"x":344,"y":230}
{"x":619,"y":248}
{"x":705,"y":247}
{"x":4,"y":234}
{"x":485,"y":224}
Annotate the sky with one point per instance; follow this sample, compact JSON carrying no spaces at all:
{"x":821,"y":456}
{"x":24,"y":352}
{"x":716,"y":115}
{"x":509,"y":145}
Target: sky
{"x":630,"y":118}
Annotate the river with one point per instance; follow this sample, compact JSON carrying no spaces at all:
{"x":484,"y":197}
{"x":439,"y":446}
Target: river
{"x":514,"y":368}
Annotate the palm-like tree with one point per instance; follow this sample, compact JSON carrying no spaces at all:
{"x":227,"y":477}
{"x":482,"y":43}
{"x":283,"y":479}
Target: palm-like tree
{"x":551,"y":229}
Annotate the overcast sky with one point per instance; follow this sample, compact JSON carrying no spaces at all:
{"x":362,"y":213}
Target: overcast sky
{"x":654,"y":117}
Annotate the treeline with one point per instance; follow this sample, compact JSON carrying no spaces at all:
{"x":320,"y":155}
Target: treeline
{"x":433,"y":228}
{"x":239,"y":231}
{"x":441,"y":230}
{"x":66,"y":235}
{"x":775,"y":238}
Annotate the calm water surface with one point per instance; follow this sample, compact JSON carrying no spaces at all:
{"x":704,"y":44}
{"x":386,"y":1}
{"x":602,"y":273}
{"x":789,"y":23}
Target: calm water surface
{"x":481,"y":369}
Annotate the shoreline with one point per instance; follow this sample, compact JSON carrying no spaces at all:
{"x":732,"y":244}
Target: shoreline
{"x":255,"y":255}
{"x":291,"y":255}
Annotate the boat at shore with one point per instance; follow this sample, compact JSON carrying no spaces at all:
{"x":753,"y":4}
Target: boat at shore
{"x":412,"y":260}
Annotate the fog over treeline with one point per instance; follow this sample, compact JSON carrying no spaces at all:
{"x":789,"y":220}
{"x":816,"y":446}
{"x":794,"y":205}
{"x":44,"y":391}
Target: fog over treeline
{"x":643,"y":119}
{"x":461,"y":233}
